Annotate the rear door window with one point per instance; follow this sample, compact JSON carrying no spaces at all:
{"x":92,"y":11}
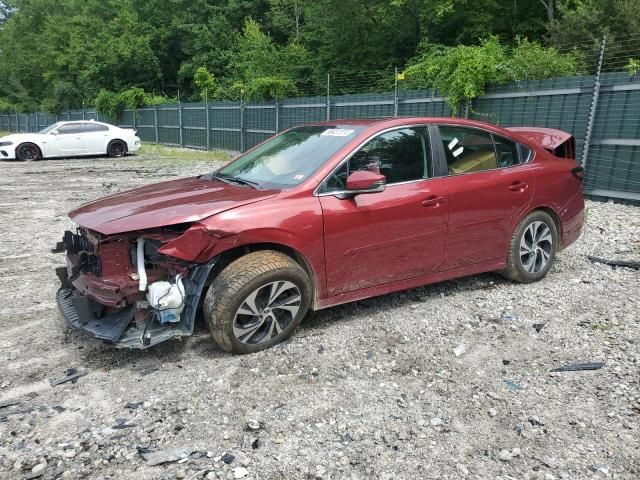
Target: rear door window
{"x":467,"y":149}
{"x":94,"y":127}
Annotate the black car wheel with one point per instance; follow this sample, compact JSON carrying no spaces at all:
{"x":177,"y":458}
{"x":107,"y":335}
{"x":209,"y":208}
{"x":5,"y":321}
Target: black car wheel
{"x":116,"y":148}
{"x":28,"y":152}
{"x":257,"y":301}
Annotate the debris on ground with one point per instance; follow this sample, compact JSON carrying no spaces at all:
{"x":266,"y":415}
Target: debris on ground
{"x":538,"y":327}
{"x":579,"y":367}
{"x":167,"y":456}
{"x":227,"y":458}
{"x":615,"y":263}
{"x":459,"y":350}
{"x":71,"y":375}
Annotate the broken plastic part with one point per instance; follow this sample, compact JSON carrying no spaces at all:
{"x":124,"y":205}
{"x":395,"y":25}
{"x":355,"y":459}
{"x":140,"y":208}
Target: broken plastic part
{"x":167,"y":299}
{"x":142,"y":273}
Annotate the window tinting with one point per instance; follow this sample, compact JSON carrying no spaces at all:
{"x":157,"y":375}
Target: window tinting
{"x":94,"y":127}
{"x":70,"y":128}
{"x":400,"y":155}
{"x":507,"y":152}
{"x":467,"y":150}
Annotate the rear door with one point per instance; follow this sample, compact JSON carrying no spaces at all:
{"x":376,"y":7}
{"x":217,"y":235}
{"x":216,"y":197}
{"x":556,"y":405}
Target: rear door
{"x":379,"y":238}
{"x":490,"y":186}
{"x":95,"y":138}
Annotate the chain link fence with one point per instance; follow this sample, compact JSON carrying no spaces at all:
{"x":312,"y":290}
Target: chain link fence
{"x":601,"y":110}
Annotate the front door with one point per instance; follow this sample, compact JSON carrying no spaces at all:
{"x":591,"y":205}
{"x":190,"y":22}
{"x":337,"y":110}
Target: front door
{"x":379,"y":238}
{"x":489,"y":188}
{"x":67,"y":141}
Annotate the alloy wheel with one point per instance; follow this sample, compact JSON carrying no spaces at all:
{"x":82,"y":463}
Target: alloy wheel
{"x":536,"y":246}
{"x":266,"y":312}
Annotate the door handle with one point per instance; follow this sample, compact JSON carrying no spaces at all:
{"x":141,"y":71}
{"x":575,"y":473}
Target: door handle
{"x":518,"y":186}
{"x":433,"y":201}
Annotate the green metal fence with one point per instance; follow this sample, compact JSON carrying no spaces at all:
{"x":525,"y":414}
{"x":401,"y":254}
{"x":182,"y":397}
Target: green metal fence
{"x":601,"y":111}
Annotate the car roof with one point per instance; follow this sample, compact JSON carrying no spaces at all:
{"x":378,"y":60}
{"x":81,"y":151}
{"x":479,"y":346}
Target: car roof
{"x":396,"y":121}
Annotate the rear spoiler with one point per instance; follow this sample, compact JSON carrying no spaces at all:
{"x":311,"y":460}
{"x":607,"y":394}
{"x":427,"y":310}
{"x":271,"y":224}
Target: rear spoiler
{"x":559,"y":143}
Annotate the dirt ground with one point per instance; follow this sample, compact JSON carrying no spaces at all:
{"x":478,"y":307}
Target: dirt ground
{"x":366,"y":390}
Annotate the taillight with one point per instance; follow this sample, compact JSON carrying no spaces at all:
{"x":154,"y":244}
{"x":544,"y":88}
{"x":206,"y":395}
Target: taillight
{"x":578,"y":172}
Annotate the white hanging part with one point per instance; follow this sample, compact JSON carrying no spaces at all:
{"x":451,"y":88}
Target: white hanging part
{"x":168,"y":299}
{"x":142,"y":273}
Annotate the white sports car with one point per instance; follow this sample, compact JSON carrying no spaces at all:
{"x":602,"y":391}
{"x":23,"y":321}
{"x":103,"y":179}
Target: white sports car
{"x":70,"y":139}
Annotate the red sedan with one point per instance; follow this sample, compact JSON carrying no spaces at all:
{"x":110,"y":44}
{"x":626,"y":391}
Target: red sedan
{"x":316,"y":216}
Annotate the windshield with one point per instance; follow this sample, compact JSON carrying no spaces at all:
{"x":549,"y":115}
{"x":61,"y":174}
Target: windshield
{"x":49,"y":128}
{"x":289,"y":159}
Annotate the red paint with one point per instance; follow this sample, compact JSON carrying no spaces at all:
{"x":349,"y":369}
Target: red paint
{"x":163,"y":204}
{"x":547,"y":138}
{"x":408,"y":235}
{"x":364,"y":180}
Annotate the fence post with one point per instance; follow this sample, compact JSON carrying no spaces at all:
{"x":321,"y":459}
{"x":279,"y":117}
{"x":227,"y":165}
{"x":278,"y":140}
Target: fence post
{"x":395,"y":92}
{"x":180,"y":122}
{"x":155,"y":121}
{"x":277,"y":119}
{"x":328,"y":97}
{"x":17,"y":123}
{"x":594,"y":105}
{"x":241,"y":125}
{"x":206,"y":116}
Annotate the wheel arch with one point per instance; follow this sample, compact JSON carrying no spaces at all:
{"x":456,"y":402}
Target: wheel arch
{"x":35,"y":144}
{"x":554,"y":216}
{"x":227,"y":256}
{"x":118,"y":139}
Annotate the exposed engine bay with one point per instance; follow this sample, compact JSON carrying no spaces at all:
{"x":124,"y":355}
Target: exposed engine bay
{"x":122,"y":290}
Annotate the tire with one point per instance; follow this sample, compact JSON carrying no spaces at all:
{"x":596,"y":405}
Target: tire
{"x":532,"y":249}
{"x":238,"y":307}
{"x":27,"y":152}
{"x":116,"y":148}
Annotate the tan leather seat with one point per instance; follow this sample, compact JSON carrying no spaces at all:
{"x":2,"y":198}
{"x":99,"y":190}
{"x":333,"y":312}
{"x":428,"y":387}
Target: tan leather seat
{"x":474,"y":162}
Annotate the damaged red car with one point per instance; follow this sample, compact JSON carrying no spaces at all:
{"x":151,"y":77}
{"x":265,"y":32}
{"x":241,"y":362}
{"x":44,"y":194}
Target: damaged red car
{"x":319,"y":215}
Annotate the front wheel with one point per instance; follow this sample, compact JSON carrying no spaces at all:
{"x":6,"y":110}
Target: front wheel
{"x":116,"y":148}
{"x":532,"y":249}
{"x":257,"y":301}
{"x":27,"y":152}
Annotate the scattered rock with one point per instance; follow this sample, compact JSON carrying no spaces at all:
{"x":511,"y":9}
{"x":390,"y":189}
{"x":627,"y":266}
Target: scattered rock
{"x":227,"y":458}
{"x":240,"y":472}
{"x":459,"y":350}
{"x":504,"y":455}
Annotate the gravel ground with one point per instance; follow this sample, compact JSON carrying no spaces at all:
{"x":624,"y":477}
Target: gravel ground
{"x":366,"y":390}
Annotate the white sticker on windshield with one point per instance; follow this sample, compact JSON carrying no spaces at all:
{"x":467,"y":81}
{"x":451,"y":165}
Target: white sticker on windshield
{"x":458,"y":152}
{"x":452,"y":143}
{"x":337,"y":132}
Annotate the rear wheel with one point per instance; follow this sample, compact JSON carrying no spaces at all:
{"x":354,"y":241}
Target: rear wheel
{"x":116,"y":148}
{"x":27,"y":152}
{"x":533,"y":248}
{"x":257,"y":301}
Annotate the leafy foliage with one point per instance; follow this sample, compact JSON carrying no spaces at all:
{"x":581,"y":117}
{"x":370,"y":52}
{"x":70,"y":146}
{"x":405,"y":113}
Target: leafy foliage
{"x":633,"y":67}
{"x":59,"y":54}
{"x":461,"y":73}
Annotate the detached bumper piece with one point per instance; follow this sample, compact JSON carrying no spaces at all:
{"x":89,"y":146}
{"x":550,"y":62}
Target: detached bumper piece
{"x":82,"y":313}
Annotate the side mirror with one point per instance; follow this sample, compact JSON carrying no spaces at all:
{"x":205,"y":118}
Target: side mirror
{"x":54,"y":132}
{"x":365,"y":181}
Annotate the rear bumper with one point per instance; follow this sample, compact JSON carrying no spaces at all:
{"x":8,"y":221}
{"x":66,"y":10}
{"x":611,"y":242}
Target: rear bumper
{"x":134,"y":146}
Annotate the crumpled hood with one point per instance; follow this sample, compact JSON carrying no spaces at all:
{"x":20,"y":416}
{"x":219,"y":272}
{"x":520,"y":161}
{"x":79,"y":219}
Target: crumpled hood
{"x":21,"y":137}
{"x":163,"y":204}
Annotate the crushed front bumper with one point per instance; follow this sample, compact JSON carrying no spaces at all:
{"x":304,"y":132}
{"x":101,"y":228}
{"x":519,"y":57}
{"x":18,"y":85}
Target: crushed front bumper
{"x":125,"y":327}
